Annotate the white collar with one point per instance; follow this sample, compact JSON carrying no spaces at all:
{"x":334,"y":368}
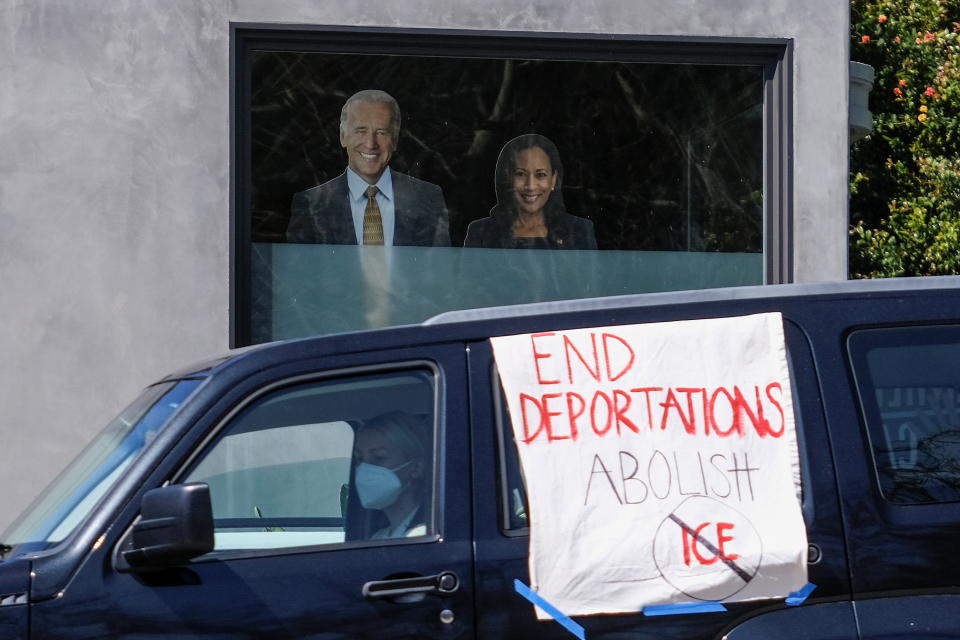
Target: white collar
{"x":358,"y":186}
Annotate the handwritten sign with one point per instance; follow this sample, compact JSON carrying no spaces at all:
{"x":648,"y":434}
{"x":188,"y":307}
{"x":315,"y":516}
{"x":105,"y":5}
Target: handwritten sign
{"x":661,"y":462}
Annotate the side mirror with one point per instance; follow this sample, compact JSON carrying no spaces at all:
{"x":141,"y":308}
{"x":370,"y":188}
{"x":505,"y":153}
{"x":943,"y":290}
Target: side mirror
{"x":176,"y":524}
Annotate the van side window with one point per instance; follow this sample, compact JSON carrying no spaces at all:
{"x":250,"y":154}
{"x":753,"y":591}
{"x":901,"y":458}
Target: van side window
{"x":909,"y":387}
{"x":511,"y":489}
{"x":325,"y":462}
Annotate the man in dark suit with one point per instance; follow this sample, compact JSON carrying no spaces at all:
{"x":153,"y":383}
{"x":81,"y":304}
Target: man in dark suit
{"x":368,"y":203}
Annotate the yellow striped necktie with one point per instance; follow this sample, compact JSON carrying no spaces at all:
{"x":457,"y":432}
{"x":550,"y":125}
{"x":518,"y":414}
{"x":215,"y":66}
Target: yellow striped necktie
{"x":372,"y":222}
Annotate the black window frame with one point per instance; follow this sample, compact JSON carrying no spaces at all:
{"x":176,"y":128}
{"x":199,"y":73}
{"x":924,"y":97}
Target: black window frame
{"x":333,"y":376}
{"x":774,"y":55}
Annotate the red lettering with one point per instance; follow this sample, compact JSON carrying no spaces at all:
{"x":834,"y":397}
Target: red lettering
{"x":609,"y":409}
{"x":693,"y":545}
{"x":646,"y":391}
{"x":568,"y":346}
{"x":736,"y":426}
{"x":537,"y":356}
{"x":549,"y":415}
{"x":607,"y":354}
{"x":593,"y":413}
{"x":691,"y":412}
{"x":783,"y":419}
{"x":527,"y":436}
{"x":706,"y":412}
{"x":743,"y":413}
{"x":690,"y":543}
{"x":671,"y":403}
{"x":721,"y":539}
{"x":573,"y":414}
{"x":619,"y":410}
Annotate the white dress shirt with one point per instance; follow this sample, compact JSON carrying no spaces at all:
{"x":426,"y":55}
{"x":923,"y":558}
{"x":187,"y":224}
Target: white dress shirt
{"x":358,"y":204}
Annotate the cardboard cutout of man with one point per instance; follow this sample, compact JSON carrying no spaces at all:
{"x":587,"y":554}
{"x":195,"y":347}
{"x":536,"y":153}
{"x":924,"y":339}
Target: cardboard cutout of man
{"x":411,"y":212}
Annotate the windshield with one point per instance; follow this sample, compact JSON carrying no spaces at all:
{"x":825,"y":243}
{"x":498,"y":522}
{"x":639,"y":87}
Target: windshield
{"x":73,"y":494}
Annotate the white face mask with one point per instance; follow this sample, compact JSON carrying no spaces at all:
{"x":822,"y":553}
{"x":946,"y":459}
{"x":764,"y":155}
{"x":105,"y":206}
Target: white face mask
{"x":378,"y":487}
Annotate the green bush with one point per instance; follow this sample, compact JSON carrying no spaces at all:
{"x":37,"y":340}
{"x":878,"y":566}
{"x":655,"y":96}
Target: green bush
{"x":905,"y":176}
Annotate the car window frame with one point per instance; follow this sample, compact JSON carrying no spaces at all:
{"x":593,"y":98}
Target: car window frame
{"x":203,"y":446}
{"x":868,"y":411}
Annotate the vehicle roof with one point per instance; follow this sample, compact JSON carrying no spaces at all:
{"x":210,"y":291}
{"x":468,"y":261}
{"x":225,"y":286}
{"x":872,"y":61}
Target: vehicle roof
{"x":474,"y":324}
{"x":754,"y":292}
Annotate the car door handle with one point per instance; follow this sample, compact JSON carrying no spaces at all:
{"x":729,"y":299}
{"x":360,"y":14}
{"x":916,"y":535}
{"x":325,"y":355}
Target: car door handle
{"x":442,"y":584}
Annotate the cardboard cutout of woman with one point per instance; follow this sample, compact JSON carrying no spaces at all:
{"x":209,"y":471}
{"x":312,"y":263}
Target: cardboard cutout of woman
{"x":530,"y":213}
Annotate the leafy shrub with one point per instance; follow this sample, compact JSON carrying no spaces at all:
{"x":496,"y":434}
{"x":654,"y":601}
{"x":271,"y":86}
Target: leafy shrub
{"x":905,"y":176}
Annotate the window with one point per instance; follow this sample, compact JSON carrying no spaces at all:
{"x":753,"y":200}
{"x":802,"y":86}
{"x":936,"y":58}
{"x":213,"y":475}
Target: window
{"x":655,"y":172}
{"x":512,"y":487}
{"x":326,"y":462}
{"x":909,"y":388}
{"x":73,"y":495}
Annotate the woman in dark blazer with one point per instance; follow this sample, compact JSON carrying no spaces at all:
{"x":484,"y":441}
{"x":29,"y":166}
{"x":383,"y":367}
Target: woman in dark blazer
{"x":529,"y":213}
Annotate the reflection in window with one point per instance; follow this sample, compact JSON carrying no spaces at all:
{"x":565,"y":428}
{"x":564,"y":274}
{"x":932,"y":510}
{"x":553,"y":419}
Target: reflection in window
{"x":659,"y":166}
{"x":909,"y":389}
{"x":325,"y":463}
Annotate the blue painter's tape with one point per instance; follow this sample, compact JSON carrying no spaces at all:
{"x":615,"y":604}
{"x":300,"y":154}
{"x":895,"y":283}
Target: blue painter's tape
{"x":563,"y":620}
{"x":682,"y":608}
{"x":801,"y":594}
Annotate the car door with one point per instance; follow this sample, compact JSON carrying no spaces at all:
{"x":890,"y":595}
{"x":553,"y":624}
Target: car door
{"x":502,"y":535}
{"x":901,"y":491}
{"x":341,"y":507}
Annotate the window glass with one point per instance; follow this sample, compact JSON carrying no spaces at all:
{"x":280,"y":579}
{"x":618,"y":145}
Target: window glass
{"x":909,"y":387}
{"x":510,"y":180}
{"x":325,"y":462}
{"x":94,"y":472}
{"x":512,"y":487}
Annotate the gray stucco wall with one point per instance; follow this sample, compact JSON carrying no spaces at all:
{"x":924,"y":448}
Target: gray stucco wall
{"x":114,"y":180}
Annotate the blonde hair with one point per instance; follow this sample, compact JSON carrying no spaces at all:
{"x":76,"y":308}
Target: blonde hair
{"x":407,"y":432}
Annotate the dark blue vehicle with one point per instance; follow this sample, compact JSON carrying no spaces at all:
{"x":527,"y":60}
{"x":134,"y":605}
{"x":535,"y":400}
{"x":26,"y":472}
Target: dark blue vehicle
{"x":236,"y":499}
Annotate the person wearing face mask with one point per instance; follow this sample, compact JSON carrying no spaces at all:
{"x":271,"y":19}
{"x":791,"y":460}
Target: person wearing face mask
{"x":530,"y":213}
{"x":392,"y":472}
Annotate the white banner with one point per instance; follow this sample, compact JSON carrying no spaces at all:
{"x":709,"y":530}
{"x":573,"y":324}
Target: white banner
{"x":660,"y":460}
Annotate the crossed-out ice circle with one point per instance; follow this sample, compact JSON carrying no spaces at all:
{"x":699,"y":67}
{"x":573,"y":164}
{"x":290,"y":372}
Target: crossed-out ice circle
{"x":706,"y":549}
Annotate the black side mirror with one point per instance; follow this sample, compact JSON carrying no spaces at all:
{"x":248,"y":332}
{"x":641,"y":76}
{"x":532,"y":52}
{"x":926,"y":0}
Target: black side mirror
{"x":176,"y":524}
